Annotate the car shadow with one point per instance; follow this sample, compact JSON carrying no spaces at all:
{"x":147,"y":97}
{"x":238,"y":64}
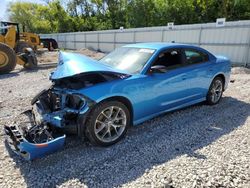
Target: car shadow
{"x":157,"y":141}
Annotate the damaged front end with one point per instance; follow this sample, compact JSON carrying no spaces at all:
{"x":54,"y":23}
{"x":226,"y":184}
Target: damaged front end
{"x":35,"y":142}
{"x":54,"y":112}
{"x":60,"y":109}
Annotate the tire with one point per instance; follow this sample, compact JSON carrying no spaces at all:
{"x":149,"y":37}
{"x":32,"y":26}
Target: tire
{"x":215,"y":91}
{"x":103,"y":130}
{"x":21,"y":45}
{"x":31,"y":62}
{"x":54,"y":44}
{"x":47,"y":42}
{"x":7,"y":59}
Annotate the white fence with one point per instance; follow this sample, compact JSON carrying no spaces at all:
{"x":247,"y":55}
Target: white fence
{"x":231,"y":40}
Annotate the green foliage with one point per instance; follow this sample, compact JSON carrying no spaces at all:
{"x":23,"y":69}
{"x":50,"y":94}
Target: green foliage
{"x":88,"y":15}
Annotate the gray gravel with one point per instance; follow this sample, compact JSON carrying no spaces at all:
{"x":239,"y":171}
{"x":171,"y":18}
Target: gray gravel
{"x":200,"y":146}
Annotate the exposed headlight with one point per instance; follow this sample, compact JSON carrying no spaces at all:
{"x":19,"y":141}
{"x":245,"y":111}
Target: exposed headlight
{"x":75,"y":101}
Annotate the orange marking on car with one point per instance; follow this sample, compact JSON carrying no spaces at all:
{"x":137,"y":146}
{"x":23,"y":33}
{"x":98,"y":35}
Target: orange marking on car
{"x":41,"y":145}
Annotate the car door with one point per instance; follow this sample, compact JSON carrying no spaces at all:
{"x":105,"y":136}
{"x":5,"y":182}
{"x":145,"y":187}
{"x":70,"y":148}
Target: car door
{"x":165,"y":90}
{"x":198,"y":73}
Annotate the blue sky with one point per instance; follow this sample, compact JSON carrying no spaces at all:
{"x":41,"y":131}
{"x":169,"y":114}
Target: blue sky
{"x":4,"y":6}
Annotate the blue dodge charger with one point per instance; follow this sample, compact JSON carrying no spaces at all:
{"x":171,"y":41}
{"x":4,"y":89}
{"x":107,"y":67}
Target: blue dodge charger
{"x":100,"y":100}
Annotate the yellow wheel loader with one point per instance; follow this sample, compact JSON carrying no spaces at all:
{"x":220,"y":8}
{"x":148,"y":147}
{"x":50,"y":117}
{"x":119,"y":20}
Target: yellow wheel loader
{"x":15,"y":48}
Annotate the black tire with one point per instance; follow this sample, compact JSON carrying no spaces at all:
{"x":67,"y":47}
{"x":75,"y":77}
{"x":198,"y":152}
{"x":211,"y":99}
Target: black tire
{"x":31,"y":62}
{"x":48,"y":43}
{"x":216,"y":81}
{"x":95,"y":113}
{"x":7,"y":59}
{"x":54,"y":44}
{"x":21,"y":45}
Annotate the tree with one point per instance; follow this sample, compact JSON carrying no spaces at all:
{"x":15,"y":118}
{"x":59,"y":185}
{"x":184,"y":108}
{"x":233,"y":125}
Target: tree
{"x":89,"y":15}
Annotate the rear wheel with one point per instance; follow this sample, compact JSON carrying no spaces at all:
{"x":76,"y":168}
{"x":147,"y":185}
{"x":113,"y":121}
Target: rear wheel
{"x":7,"y":59}
{"x":108,"y":123}
{"x":215,"y":91}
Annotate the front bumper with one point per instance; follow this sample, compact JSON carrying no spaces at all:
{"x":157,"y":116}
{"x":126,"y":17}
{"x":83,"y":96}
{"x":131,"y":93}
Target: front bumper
{"x":21,"y":143}
{"x":28,"y":150}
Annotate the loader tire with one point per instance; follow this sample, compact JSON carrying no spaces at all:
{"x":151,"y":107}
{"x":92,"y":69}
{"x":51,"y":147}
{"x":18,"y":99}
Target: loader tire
{"x":21,"y":45}
{"x":31,"y":61}
{"x":7,"y":59}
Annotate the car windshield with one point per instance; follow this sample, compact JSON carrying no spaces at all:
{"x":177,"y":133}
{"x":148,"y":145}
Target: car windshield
{"x":131,"y":60}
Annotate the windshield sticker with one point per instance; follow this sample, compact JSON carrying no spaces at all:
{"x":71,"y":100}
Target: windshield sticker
{"x":144,"y":50}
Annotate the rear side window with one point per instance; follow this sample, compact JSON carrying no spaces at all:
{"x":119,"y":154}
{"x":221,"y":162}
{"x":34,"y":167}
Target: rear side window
{"x":195,"y":56}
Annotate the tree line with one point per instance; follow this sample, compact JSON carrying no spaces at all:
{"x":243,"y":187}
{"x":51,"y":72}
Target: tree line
{"x":88,"y":15}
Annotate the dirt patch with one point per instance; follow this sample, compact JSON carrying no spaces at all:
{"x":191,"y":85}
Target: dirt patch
{"x":91,"y":53}
{"x":47,"y":57}
{"x":52,"y":57}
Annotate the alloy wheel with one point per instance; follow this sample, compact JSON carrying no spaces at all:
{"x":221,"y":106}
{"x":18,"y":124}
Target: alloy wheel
{"x":216,"y":91}
{"x":110,"y":124}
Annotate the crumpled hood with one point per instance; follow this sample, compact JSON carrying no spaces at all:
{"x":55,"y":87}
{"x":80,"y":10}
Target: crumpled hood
{"x":70,"y":64}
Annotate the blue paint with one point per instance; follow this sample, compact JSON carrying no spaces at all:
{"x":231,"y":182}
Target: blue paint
{"x":149,"y":94}
{"x":35,"y":151}
{"x":72,"y":64}
{"x":29,"y":151}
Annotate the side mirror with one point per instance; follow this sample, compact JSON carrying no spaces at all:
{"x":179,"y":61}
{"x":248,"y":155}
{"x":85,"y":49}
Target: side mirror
{"x":158,"y":69}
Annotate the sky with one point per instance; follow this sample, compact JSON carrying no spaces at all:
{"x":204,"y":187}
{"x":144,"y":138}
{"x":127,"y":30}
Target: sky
{"x":4,"y":6}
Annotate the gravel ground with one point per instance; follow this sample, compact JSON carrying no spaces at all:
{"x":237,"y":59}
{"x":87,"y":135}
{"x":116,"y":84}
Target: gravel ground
{"x":200,"y":146}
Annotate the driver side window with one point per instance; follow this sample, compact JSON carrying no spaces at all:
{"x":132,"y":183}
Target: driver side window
{"x":168,"y":60}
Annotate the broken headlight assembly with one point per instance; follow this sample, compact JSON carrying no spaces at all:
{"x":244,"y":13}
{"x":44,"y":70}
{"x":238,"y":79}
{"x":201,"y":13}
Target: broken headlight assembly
{"x":75,"y":102}
{"x":53,"y":112}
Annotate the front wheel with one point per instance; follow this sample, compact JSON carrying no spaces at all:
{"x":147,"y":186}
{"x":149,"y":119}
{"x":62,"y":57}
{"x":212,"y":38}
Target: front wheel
{"x":108,"y":123}
{"x":215,"y":91}
{"x":7,"y":59}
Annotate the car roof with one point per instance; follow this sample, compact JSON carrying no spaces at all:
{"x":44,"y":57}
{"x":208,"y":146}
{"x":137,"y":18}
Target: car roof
{"x":164,"y":45}
{"x":157,"y":45}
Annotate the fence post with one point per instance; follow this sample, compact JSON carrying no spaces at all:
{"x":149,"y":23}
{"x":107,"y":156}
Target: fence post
{"x":98,"y":45}
{"x":64,"y":41}
{"x":134,"y":36}
{"x":75,"y":41}
{"x":85,"y":39}
{"x":162,"y":35}
{"x":114,"y":39}
{"x":200,"y":33}
{"x":248,"y":50}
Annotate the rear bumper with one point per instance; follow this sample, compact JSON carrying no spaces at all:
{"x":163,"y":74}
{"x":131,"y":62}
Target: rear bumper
{"x":28,"y":150}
